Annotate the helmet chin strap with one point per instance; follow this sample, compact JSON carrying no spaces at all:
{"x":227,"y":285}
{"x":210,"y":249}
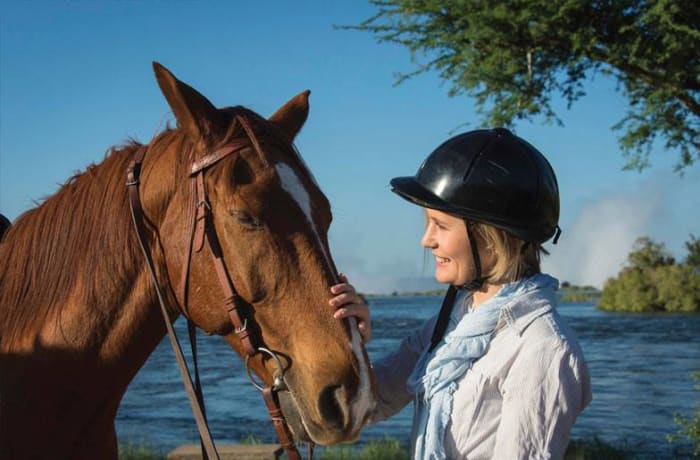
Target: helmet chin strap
{"x":449,"y":300}
{"x":478,"y":281}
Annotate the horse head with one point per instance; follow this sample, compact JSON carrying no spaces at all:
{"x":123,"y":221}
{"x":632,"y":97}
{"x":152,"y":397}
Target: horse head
{"x":271,"y":221}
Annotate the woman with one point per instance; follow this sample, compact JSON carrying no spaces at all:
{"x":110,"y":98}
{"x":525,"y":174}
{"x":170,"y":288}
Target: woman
{"x":497,"y":373}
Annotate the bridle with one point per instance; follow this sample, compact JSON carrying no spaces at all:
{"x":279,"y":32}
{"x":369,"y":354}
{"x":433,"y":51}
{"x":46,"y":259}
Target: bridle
{"x":201,"y":228}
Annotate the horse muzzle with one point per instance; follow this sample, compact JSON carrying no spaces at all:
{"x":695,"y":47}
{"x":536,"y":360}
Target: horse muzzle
{"x":327,"y":418}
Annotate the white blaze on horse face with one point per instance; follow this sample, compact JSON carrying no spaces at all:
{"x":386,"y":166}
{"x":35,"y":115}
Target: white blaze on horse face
{"x":363,"y":402}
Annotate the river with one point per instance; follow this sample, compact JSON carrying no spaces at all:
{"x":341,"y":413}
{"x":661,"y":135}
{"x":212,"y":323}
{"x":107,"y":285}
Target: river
{"x":640,"y":367}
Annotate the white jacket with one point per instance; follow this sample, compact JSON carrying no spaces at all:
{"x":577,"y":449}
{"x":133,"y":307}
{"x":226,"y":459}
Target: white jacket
{"x":518,"y":401}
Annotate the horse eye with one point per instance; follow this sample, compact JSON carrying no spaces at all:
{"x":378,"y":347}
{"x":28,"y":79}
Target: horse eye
{"x":245,"y":219}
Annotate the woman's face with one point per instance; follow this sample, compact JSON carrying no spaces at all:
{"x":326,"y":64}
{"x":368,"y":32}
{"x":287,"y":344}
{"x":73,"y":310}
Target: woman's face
{"x":446,"y":236}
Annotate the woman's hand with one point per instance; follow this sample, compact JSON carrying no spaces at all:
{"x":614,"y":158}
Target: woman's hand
{"x":350,"y":304}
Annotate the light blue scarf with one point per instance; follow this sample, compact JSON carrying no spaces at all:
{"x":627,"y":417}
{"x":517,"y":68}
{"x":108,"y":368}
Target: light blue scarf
{"x":434,"y":379}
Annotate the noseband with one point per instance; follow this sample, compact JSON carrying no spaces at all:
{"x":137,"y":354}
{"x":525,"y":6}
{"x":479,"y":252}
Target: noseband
{"x":201,"y":228}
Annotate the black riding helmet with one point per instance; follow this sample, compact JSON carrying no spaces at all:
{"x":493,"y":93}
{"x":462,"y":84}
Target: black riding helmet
{"x":490,"y":176}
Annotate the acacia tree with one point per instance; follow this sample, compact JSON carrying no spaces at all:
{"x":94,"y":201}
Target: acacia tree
{"x":514,"y":56}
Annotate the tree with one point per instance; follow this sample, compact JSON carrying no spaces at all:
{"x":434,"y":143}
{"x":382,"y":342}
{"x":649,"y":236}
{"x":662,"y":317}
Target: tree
{"x":653,"y":281}
{"x":630,"y":291}
{"x":512,"y":56}
{"x":693,"y":247}
{"x":677,"y":288}
{"x":649,"y":254}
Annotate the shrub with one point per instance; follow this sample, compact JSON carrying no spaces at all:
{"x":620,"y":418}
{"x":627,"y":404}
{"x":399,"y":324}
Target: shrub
{"x":139,"y":451}
{"x":653,"y":281}
{"x":689,"y":426}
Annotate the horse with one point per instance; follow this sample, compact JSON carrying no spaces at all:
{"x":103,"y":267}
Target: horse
{"x":79,"y":314}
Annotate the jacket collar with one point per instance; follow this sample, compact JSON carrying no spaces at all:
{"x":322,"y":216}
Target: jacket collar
{"x":535,"y":297}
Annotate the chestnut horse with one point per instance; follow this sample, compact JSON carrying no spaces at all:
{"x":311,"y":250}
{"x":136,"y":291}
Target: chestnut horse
{"x":78,"y":310}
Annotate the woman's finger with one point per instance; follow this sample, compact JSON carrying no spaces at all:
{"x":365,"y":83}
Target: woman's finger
{"x":345,"y":298}
{"x":342,"y":287}
{"x":350,"y":304}
{"x":359,"y":312}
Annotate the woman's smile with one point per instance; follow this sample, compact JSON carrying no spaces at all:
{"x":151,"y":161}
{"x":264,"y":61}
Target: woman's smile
{"x":441,"y":260}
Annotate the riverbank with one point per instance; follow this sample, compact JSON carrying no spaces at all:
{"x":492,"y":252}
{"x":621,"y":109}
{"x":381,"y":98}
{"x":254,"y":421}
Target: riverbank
{"x":385,"y":449}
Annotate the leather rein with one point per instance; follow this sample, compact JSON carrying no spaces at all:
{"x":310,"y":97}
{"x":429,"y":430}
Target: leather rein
{"x":201,"y":229}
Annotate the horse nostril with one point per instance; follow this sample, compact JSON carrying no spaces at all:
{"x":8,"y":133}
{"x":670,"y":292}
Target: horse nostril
{"x":333,"y":406}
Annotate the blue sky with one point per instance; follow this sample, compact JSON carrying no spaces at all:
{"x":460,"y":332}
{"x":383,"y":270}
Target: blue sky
{"x":76,"y":78}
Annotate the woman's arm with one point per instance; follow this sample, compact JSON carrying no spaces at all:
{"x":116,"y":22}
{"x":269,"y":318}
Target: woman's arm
{"x":392,"y":372}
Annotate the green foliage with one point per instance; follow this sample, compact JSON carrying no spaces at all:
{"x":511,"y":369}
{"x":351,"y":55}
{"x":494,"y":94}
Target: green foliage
{"x":652,"y":281}
{"x":251,"y":440}
{"x":647,"y":254}
{"x":572,"y":293}
{"x":693,"y":247}
{"x":390,"y":449}
{"x":513,"y":57}
{"x":689,"y":426}
{"x":678,"y":288}
{"x":593,"y":449}
{"x":630,"y":291}
{"x":139,"y":451}
{"x":385,"y":449}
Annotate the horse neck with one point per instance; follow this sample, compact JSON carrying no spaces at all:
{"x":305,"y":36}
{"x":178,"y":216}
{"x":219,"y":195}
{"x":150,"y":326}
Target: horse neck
{"x":73,"y":282}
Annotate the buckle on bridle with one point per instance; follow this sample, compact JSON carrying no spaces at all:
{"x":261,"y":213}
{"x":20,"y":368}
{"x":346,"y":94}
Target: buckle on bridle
{"x":238,"y":330}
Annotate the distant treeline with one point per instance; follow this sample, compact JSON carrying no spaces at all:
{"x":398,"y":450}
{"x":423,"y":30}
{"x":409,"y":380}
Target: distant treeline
{"x":571,"y":293}
{"x":567,"y":293}
{"x":439,"y":292}
{"x":434,"y":292}
{"x":653,"y":281}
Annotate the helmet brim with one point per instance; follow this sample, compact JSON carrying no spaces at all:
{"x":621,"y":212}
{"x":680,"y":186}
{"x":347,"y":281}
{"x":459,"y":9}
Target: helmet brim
{"x":409,"y":189}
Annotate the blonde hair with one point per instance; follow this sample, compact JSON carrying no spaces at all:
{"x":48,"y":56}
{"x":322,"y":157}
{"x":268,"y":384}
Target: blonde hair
{"x":513,"y":258}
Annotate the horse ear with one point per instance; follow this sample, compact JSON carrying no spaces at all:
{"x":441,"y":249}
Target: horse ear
{"x":194,"y":113}
{"x":292,"y":115}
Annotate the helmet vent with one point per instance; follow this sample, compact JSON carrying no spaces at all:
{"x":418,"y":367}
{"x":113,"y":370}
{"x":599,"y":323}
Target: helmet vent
{"x":482,"y":150}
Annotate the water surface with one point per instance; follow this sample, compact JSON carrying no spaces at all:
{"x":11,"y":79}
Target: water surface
{"x":640,"y":368}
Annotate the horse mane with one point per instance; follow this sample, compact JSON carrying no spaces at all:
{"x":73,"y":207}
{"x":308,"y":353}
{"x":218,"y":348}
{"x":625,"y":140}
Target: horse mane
{"x":77,"y":242}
